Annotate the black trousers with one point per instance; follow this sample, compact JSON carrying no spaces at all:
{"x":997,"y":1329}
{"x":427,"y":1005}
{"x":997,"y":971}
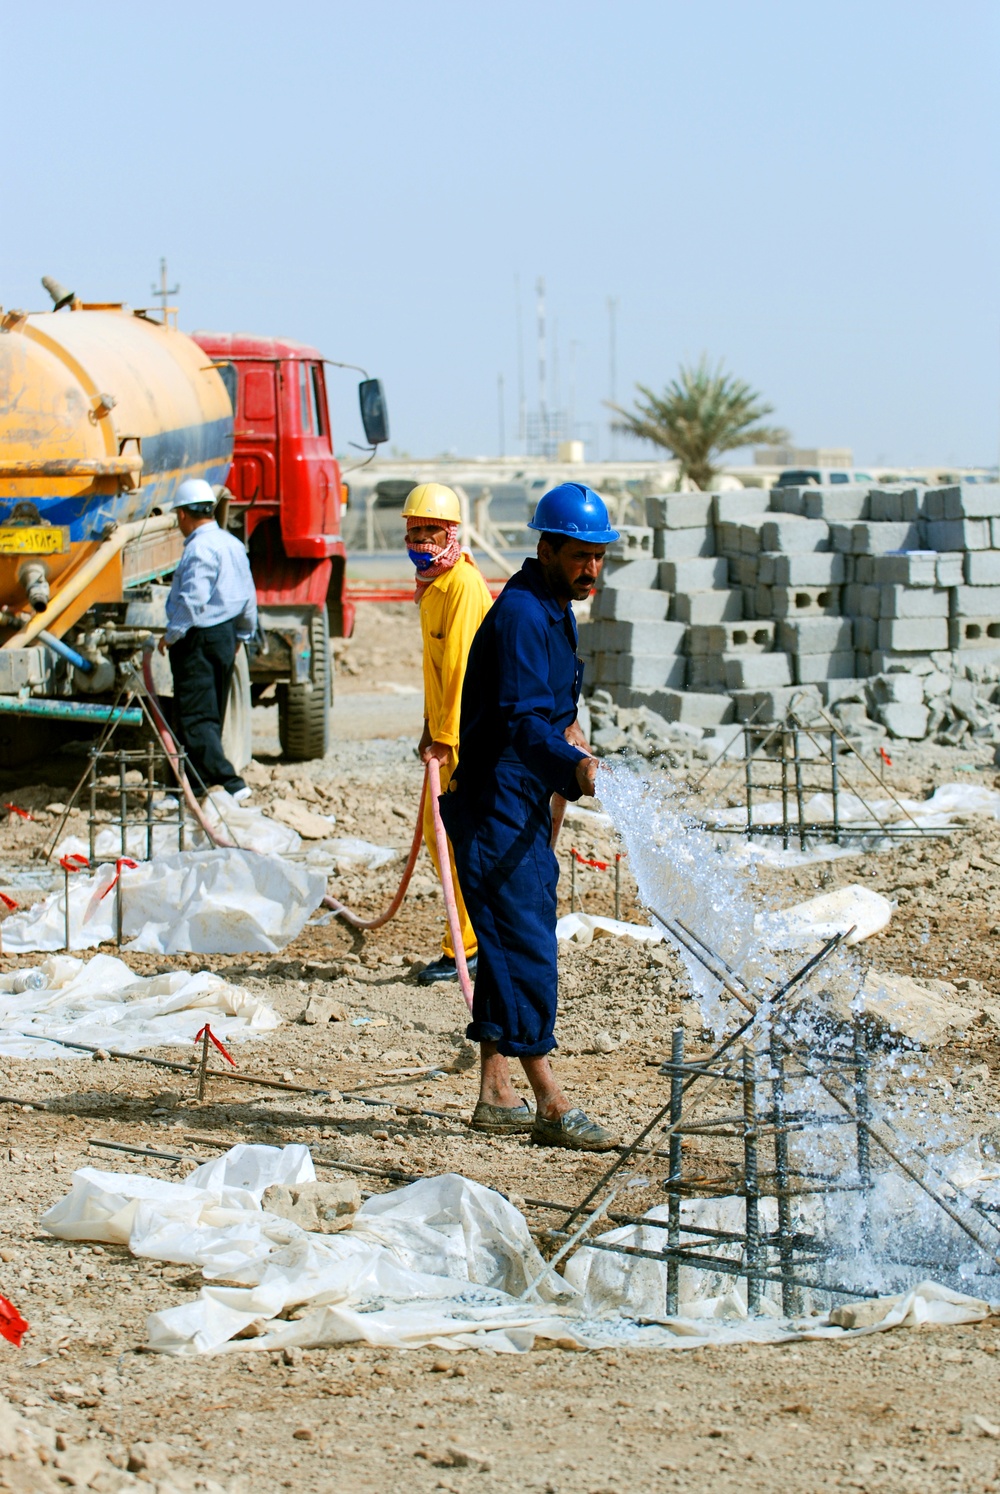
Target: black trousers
{"x":202,"y":666}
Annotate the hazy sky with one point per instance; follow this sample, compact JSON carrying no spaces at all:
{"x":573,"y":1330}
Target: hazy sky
{"x":807,"y":190}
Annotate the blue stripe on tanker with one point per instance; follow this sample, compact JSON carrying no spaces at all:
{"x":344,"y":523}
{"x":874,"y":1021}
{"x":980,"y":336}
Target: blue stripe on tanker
{"x":203,"y":450}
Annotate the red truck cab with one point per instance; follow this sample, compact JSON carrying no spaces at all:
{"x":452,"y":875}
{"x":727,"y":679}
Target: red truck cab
{"x":287,"y":495}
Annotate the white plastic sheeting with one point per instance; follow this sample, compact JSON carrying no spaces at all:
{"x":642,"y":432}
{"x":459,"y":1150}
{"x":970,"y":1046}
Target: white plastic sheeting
{"x":194,"y":902}
{"x":854,"y":907}
{"x":937,"y":812}
{"x":104,"y":1003}
{"x":245,"y":824}
{"x":584,"y":928}
{"x":442,"y":1261}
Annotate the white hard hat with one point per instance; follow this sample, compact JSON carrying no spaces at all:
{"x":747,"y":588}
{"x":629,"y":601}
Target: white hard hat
{"x":196,"y":495}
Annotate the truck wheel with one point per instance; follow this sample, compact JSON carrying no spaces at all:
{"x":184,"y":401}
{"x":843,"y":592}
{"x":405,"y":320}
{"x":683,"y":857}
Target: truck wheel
{"x":237,"y":728}
{"x":304,"y":710}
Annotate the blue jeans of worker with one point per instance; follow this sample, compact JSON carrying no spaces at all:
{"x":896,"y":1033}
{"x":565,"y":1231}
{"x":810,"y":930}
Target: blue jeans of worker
{"x":508,"y":873}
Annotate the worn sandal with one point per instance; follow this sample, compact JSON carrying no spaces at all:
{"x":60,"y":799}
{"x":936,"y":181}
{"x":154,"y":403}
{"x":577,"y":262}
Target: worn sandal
{"x":501,"y":1120}
{"x":574,"y":1130}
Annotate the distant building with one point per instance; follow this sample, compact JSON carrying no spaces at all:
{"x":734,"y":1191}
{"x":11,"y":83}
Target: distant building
{"x":803,"y":456}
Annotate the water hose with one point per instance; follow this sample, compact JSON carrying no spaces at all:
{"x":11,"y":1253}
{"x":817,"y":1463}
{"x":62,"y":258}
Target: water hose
{"x":432,"y":778}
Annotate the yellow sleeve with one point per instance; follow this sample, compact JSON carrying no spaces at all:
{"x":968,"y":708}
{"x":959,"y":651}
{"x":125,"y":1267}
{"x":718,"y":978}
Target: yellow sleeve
{"x":468,"y":602}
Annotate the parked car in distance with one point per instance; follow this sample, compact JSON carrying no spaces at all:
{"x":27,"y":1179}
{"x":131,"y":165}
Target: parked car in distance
{"x":820,"y":477}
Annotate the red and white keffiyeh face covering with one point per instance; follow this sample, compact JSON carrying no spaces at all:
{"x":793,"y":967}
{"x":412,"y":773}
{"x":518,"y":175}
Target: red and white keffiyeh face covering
{"x":430,"y":561}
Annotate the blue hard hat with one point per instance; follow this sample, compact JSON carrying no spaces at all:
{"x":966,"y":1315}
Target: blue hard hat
{"x":574,"y":510}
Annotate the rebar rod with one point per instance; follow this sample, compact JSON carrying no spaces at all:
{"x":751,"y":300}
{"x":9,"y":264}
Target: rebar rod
{"x":150,"y":788}
{"x":123,"y":802}
{"x":751,"y":1196}
{"x":92,"y":822}
{"x":791,"y":1301}
{"x":835,"y":788}
{"x":748,"y":768}
{"x":784,"y":789}
{"x":798,"y":789}
{"x":675,"y":1162}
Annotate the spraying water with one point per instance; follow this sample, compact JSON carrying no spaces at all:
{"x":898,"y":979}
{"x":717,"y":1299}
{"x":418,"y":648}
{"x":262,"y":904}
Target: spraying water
{"x":874,"y":1230}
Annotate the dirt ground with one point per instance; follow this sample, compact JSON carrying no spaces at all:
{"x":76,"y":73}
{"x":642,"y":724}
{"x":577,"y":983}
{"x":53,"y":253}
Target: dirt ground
{"x":910,"y":1410}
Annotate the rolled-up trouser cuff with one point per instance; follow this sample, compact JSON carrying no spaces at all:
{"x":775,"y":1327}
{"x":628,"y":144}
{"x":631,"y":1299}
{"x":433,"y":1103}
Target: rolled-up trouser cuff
{"x":488,"y":1032}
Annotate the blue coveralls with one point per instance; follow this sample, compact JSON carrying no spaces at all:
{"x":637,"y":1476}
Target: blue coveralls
{"x":521,"y":689}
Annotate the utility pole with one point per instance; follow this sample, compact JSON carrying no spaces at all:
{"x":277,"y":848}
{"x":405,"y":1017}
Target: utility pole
{"x":613,"y":367}
{"x":500,"y":414}
{"x":163,"y":292}
{"x":543,"y":413}
{"x":522,"y":420}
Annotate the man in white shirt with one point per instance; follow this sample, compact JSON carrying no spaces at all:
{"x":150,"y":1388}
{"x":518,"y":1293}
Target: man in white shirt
{"x":211,"y":609}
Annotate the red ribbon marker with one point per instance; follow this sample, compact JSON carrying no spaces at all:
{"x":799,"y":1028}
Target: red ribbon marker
{"x":213,"y":1039}
{"x":74,"y":863}
{"x":8,"y":902}
{"x":885,"y":757}
{"x":12,"y":1326}
{"x":122,"y":861}
{"x":13,"y":809}
{"x":585,"y":861}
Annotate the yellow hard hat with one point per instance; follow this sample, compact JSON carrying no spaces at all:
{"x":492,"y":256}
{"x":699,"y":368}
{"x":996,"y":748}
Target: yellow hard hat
{"x":432,"y":500}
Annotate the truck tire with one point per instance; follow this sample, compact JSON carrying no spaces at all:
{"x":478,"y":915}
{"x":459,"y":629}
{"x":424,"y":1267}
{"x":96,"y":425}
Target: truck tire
{"x":237,"y":728}
{"x":304,"y":710}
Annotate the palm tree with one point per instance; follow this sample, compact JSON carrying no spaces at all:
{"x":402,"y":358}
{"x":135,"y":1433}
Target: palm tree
{"x":701,"y":414}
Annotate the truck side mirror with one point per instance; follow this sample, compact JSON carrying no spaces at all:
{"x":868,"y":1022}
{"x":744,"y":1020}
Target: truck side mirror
{"x":374,"y":415}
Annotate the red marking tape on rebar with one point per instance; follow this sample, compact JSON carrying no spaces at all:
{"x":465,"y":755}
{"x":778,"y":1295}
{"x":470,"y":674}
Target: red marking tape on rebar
{"x":12,"y":1326}
{"x":213,"y":1039}
{"x":586,"y":861}
{"x":74,"y":863}
{"x":122,"y":861}
{"x":8,"y":902}
{"x":885,"y":757}
{"x":13,"y":809}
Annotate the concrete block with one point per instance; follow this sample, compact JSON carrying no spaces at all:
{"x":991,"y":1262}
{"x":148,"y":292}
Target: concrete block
{"x":743,"y":570}
{"x":950,"y":567}
{"x":756,"y":671}
{"x":708,"y":606}
{"x":862,"y":662}
{"x":680,"y":511}
{"x":693,"y":575}
{"x":706,"y":672}
{"x":975,"y":632}
{"x":920,"y":601}
{"x":976,"y":658}
{"x":842,"y":505}
{"x":959,"y":534}
{"x":917,"y":568}
{"x":727,"y":537}
{"x":622,"y":604}
{"x":738,"y":506}
{"x":604,"y":670}
{"x":870,"y":538}
{"x":934,"y":502}
{"x":860,"y":601}
{"x":833,"y":691}
{"x":750,"y":537}
{"x":975,"y":601}
{"x":814,"y":635}
{"x":794,"y":536}
{"x":865,"y":633}
{"x":589,"y":635}
{"x":888,"y":661}
{"x":995,"y":534}
{"x":913,"y":634}
{"x":973,"y":501}
{"x":982,"y":567}
{"x":689,"y":707}
{"x":727,"y":638}
{"x":787,"y":501}
{"x":811,"y":668}
{"x":634,"y":542}
{"x":804,"y":601}
{"x":894,"y":505}
{"x":903,"y":689}
{"x":637,"y":574}
{"x":684,"y":544}
{"x":818,"y":568}
{"x":652,"y":671}
{"x":643,"y":637}
{"x":758,"y":602}
{"x":774,"y":704}
{"x":905,"y":721}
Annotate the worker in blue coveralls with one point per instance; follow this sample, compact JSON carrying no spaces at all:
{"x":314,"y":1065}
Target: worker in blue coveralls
{"x":520,"y":743}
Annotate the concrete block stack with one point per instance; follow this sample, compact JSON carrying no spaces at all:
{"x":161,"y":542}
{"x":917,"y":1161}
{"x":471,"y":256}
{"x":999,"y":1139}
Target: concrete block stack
{"x":726,"y":604}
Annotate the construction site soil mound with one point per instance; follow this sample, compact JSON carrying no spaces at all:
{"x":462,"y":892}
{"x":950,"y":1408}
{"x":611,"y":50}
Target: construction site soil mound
{"x":85,"y":1406}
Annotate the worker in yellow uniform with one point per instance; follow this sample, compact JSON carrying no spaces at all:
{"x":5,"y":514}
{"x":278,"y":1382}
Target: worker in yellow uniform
{"x":453,"y":601}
